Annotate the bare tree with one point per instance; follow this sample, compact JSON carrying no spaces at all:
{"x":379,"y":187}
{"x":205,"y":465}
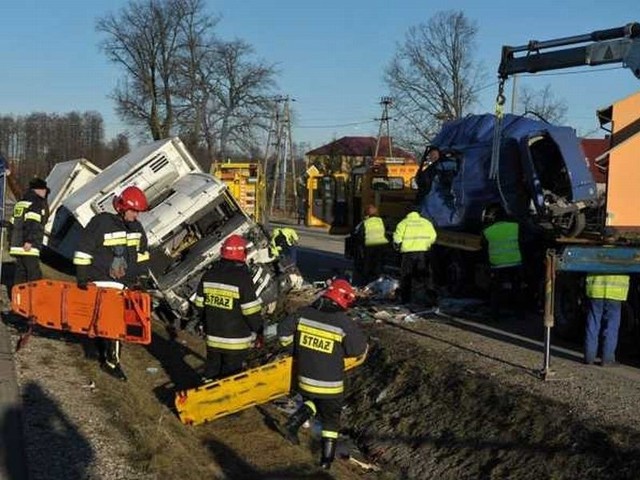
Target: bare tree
{"x":146,"y":38}
{"x":542,"y":103}
{"x":433,"y":76}
{"x":240,"y":102}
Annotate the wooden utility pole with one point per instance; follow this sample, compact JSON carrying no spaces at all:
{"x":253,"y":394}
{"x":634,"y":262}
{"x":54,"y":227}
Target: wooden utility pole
{"x":283,"y":198}
{"x":384,"y":125}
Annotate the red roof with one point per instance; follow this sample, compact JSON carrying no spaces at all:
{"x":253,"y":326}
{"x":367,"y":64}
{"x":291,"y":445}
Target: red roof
{"x":593,"y":148}
{"x":359,"y":147}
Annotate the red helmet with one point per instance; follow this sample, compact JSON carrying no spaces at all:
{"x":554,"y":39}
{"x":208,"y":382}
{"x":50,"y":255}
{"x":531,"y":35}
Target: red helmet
{"x":131,"y":198}
{"x":341,"y":293}
{"x":234,"y":248}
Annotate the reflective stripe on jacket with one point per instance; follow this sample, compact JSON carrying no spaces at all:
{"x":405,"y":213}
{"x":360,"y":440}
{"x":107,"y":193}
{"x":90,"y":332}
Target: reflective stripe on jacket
{"x":320,"y":341}
{"x":504,"y":245}
{"x":374,"y":232}
{"x":610,"y":287}
{"x":109,"y":247}
{"x":231,"y":310}
{"x":414,"y":234}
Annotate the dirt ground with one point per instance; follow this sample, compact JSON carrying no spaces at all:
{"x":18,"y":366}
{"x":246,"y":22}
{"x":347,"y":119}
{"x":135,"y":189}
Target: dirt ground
{"x":435,"y":399}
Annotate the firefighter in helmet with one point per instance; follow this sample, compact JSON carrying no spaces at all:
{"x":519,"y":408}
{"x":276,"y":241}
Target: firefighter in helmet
{"x":230,"y":310}
{"x":113,"y":253}
{"x":321,"y":335}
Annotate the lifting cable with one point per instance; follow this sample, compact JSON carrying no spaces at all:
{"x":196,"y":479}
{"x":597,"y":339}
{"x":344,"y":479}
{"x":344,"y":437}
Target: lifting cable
{"x":497,"y":130}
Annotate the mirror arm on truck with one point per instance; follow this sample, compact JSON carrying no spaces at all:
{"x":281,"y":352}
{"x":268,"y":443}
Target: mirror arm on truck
{"x":614,"y":45}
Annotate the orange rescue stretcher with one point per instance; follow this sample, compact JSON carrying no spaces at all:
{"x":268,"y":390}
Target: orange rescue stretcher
{"x":96,"y":312}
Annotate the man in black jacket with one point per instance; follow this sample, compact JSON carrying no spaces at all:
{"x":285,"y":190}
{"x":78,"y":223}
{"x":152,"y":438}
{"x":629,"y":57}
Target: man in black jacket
{"x":230,"y":309}
{"x":321,"y":336}
{"x":29,"y":217}
{"x":113,"y":252}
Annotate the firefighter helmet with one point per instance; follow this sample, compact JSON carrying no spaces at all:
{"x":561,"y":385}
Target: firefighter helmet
{"x":131,"y":198}
{"x":341,"y":293}
{"x":234,"y":248}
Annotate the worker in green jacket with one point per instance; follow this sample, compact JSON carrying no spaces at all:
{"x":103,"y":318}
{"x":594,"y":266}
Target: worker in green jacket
{"x":284,"y":241}
{"x":502,"y":239}
{"x":413,"y":238}
{"x":373,"y":235}
{"x":605,"y":295}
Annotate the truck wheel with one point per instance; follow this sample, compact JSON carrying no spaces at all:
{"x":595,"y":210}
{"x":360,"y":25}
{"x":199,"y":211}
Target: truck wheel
{"x":573,"y":224}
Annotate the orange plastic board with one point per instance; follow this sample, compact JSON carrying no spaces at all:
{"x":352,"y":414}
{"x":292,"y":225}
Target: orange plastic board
{"x":96,"y":312}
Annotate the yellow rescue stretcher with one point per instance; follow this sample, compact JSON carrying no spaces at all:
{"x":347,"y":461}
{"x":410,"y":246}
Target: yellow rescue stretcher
{"x":236,"y":393}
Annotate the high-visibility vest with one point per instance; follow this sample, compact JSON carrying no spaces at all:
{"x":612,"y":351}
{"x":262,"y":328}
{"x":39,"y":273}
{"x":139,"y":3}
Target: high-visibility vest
{"x":504,"y":247}
{"x":290,"y":235}
{"x":414,"y":234}
{"x":374,"y":232}
{"x":610,"y":287}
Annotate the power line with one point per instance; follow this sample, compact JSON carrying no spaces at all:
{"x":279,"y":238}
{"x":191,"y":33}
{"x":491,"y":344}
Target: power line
{"x":338,"y":125}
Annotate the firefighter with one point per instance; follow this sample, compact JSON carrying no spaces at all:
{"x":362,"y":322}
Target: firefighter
{"x":113,"y":253}
{"x":283,"y":245}
{"x":230,"y":311}
{"x":29,"y":217}
{"x":502,"y":240}
{"x":320,"y":336}
{"x":372,"y":233}
{"x":606,"y":294}
{"x":413,"y":237}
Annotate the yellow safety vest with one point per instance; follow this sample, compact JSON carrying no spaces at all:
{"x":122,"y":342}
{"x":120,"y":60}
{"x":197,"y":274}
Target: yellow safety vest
{"x":290,"y":236}
{"x":610,"y":287}
{"x":504,"y":248}
{"x":374,"y":232}
{"x":414,"y":234}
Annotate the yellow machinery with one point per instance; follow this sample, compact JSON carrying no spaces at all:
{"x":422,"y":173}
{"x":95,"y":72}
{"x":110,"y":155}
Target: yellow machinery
{"x":326,"y":200}
{"x":236,"y":393}
{"x":339,"y":200}
{"x":246,"y":184}
{"x":389,"y":184}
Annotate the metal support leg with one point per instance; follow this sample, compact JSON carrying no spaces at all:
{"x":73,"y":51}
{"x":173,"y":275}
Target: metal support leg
{"x":549,"y":292}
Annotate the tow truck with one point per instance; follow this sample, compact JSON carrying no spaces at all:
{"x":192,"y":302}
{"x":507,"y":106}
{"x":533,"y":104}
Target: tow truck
{"x":617,"y":248}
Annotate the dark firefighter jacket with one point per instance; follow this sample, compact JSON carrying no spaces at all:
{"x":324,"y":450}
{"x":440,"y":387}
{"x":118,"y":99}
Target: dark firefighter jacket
{"x":109,"y":244}
{"x":230,"y":307}
{"x":320,"y":341}
{"x":29,"y":217}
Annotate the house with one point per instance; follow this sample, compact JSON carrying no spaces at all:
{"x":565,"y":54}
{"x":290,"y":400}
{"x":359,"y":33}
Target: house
{"x":347,"y":152}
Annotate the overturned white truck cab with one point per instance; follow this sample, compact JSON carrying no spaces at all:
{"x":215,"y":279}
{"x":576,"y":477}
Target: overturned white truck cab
{"x":190,"y":214}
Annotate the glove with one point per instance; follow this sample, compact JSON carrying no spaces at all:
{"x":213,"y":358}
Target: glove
{"x":194,"y":324}
{"x":82,"y":284}
{"x":118,"y":268}
{"x":258,"y":343}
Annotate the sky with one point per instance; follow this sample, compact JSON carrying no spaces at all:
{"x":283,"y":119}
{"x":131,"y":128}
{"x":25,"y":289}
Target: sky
{"x":331,"y":55}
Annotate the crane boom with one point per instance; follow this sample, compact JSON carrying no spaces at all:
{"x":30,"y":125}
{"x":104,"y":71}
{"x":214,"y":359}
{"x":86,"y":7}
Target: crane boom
{"x":614,"y":45}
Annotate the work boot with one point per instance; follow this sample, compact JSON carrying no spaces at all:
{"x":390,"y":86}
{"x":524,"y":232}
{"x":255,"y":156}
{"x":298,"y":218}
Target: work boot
{"x":114,"y":370}
{"x":295,"y":421}
{"x":328,"y":452}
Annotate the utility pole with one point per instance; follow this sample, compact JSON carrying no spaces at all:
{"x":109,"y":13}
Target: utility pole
{"x":384,"y":125}
{"x":283,"y":198}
